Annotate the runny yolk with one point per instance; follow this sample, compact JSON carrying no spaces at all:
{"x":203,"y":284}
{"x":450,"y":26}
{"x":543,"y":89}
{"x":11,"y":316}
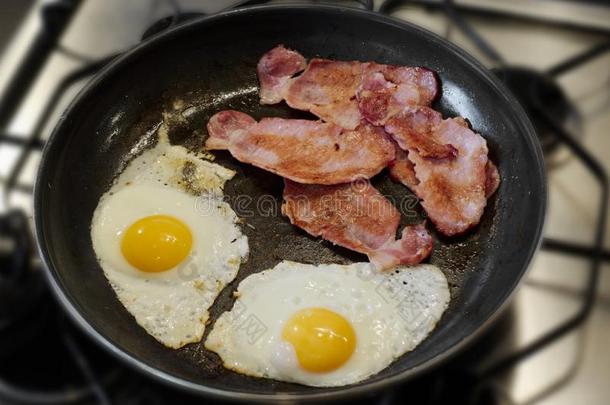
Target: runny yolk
{"x":156,"y":243}
{"x":322,"y":339}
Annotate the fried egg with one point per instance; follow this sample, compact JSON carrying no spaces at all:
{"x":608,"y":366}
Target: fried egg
{"x":327,"y":325}
{"x":167,"y":242}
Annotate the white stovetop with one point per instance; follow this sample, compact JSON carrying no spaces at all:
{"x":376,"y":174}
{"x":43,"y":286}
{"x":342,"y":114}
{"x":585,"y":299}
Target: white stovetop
{"x":551,"y":291}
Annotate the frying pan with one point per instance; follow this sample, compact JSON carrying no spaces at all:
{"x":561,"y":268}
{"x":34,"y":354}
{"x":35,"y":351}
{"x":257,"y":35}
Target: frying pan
{"x":208,"y":65}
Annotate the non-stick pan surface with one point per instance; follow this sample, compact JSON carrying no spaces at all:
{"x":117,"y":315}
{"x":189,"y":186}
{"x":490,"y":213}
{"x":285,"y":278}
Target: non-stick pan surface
{"x":208,"y":65}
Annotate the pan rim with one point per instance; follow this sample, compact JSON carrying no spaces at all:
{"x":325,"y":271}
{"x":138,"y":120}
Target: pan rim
{"x":64,"y":296}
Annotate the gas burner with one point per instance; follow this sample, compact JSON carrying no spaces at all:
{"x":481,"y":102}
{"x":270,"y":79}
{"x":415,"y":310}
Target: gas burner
{"x":32,"y":327}
{"x":60,"y":366}
{"x":523,"y":82}
{"x":21,"y":287}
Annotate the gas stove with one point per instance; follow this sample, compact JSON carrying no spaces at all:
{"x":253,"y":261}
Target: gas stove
{"x":548,"y":347}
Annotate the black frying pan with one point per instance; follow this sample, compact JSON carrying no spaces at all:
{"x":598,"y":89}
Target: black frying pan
{"x":210,"y":64}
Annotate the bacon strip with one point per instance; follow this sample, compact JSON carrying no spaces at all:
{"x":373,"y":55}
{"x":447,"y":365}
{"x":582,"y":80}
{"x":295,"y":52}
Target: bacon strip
{"x":310,"y":152}
{"x":386,"y":90}
{"x":452,"y":190}
{"x":275,"y":69}
{"x":414,"y":245}
{"x":223,"y":124}
{"x":328,"y":90}
{"x":358,"y":217}
{"x":413,"y":129}
{"x":402,"y":169}
{"x":346,"y":92}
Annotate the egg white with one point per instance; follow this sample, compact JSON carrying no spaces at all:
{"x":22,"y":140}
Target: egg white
{"x":391,"y":313}
{"x":172,"y":306}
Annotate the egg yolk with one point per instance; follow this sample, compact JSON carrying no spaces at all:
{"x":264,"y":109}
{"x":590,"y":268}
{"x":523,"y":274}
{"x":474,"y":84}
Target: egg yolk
{"x":156,"y":243}
{"x":322,"y":339}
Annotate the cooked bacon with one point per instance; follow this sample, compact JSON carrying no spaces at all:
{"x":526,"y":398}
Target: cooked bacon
{"x":492,"y":179}
{"x":223,"y":124}
{"x":310,"y":152}
{"x":443,"y":162}
{"x":327,"y":89}
{"x":275,"y":69}
{"x":358,"y":217}
{"x":402,"y":169}
{"x":343,"y":92}
{"x":452,"y":190}
{"x":386,"y":90}
{"x":413,"y":129}
{"x":414,"y":245}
